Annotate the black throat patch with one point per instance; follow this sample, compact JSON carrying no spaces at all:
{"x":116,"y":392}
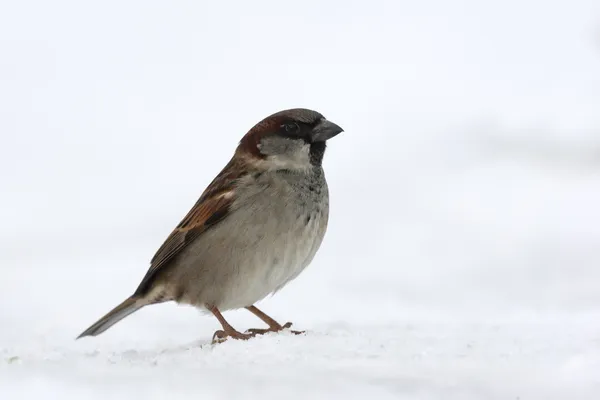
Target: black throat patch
{"x":317,"y":151}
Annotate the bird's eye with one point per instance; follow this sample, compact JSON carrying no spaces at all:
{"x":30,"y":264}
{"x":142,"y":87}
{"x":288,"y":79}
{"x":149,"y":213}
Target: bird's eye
{"x":291,"y":127}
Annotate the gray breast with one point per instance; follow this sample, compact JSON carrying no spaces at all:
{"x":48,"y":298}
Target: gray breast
{"x":275,"y":229}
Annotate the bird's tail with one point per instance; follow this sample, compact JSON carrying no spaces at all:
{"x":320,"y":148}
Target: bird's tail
{"x":129,"y":306}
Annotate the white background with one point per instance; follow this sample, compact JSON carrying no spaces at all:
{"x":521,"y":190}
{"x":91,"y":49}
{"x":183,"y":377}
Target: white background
{"x":463,"y":254}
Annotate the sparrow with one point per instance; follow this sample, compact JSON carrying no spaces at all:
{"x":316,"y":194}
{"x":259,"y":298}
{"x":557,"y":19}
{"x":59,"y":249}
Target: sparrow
{"x":255,"y":228}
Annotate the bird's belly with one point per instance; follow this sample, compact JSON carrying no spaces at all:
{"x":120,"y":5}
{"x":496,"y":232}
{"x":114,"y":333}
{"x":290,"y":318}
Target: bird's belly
{"x":238,"y":265}
{"x":272,"y":263}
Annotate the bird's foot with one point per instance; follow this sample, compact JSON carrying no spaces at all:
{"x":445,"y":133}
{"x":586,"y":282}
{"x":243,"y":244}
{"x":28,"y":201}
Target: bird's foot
{"x":275,"y":328}
{"x":222,"y":335}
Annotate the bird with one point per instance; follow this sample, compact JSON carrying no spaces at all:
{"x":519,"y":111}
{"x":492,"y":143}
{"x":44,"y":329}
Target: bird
{"x":254,"y":229}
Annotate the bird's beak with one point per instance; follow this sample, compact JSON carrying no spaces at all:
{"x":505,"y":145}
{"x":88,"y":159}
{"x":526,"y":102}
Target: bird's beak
{"x":325,"y":130}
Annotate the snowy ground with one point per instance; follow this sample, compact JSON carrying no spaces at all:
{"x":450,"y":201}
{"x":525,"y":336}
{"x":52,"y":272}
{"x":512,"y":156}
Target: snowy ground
{"x":462,"y":258}
{"x":517,"y":360}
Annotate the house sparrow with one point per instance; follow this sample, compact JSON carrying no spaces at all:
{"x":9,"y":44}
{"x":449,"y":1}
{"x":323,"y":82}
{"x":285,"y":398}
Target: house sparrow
{"x":254,"y":229}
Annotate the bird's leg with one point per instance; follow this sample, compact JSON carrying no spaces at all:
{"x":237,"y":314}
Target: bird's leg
{"x":228,"y":330}
{"x":274,"y":326}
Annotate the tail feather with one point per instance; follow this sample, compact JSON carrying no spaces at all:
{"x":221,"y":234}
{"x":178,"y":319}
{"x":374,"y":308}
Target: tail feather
{"x":129,"y":306}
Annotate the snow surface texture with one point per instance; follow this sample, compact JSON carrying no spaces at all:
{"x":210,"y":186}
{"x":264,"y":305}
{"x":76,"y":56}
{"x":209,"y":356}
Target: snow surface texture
{"x":463,"y":255}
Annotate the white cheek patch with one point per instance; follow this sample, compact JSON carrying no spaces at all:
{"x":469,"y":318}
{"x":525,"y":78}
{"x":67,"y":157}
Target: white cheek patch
{"x":298,"y":160}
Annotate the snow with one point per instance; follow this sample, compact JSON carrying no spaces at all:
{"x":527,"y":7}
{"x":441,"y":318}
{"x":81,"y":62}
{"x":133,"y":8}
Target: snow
{"x":461,"y":261}
{"x":418,"y":360}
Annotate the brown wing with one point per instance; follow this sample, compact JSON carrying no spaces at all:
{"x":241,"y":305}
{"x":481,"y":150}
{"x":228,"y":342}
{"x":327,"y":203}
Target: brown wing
{"x":212,"y":207}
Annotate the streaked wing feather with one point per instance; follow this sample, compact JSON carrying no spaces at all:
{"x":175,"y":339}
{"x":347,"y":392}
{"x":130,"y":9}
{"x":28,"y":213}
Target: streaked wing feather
{"x":212,"y":207}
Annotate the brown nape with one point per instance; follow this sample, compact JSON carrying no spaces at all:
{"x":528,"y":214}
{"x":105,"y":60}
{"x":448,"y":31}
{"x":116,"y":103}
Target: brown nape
{"x":250,"y":141}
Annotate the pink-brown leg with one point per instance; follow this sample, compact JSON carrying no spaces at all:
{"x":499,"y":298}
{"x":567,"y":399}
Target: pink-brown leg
{"x":228,"y":330}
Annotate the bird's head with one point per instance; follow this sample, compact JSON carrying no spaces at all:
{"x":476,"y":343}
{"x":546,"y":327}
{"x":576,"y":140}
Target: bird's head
{"x":292,"y":139}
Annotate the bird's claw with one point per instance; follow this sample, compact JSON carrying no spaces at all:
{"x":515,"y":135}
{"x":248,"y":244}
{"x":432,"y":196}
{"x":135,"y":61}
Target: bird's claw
{"x":221,"y":336}
{"x":259,"y":331}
